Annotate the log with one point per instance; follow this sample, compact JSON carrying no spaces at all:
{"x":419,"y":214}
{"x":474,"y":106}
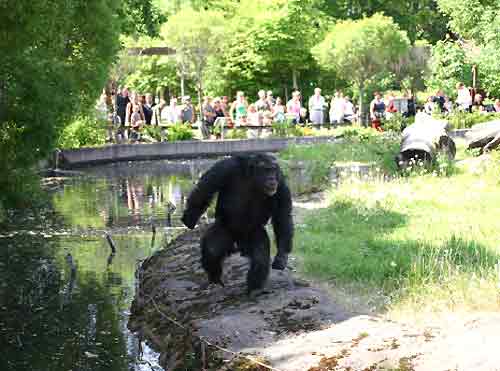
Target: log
{"x":424,"y":140}
{"x":150,"y":51}
{"x":485,"y":136}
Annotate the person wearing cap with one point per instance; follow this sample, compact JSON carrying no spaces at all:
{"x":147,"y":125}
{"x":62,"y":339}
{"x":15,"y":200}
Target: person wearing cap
{"x":317,"y":105}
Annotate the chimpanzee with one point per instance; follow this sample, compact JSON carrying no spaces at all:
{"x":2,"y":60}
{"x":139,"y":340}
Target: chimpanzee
{"x":251,"y":190}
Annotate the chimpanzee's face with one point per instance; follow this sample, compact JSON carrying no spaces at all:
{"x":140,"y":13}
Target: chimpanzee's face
{"x":267,"y":175}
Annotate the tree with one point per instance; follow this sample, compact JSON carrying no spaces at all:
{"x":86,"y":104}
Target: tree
{"x":194,"y":35}
{"x":360,"y":49}
{"x":286,"y":36}
{"x":421,"y":19}
{"x":475,"y":26}
{"x":55,"y":59}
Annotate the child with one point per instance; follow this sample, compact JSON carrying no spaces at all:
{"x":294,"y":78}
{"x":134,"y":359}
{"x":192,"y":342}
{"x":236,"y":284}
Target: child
{"x":135,"y":122}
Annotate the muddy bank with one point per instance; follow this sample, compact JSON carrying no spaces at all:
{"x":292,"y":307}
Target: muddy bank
{"x":172,"y":309}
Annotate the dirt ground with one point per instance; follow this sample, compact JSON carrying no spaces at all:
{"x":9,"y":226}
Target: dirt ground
{"x":294,"y":325}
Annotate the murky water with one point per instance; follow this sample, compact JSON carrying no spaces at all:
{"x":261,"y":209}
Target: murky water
{"x":64,"y":298}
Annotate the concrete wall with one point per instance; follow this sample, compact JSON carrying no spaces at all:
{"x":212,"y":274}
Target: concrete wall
{"x":185,"y":149}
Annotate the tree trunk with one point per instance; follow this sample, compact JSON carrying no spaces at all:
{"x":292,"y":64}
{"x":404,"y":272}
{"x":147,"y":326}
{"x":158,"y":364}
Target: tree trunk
{"x":294,"y":78}
{"x":182,"y":84}
{"x":200,"y":88}
{"x":361,"y":93}
{"x":286,"y":94}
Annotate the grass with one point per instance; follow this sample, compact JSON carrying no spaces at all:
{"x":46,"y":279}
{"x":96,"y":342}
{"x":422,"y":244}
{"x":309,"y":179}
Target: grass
{"x":422,"y":243}
{"x":358,"y":145}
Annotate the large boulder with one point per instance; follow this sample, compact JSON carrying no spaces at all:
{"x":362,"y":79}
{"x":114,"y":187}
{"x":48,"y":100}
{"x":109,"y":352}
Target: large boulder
{"x":424,"y":140}
{"x":485,"y":136}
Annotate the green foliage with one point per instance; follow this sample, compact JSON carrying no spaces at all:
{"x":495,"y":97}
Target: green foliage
{"x":286,"y":129}
{"x":55,"y":59}
{"x":155,"y":132}
{"x":358,"y":145}
{"x":415,"y":239}
{"x":465,"y":120}
{"x":179,"y":132}
{"x":83,"y":131}
{"x":478,"y":22}
{"x":449,"y":65}
{"x":397,"y":122}
{"x":236,"y":134}
{"x":373,"y":44}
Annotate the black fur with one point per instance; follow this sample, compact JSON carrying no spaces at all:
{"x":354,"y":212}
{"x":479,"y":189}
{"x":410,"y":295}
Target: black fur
{"x":245,"y":203}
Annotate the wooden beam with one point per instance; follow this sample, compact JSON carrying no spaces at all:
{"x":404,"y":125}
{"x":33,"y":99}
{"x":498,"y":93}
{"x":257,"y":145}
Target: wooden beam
{"x":150,"y":51}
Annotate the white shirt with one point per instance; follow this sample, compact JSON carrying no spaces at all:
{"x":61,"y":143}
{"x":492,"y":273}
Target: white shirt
{"x":348,"y":108}
{"x":316,"y":103}
{"x":464,"y":98}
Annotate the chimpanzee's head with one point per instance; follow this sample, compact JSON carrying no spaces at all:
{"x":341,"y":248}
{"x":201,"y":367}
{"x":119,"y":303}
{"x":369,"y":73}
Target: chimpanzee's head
{"x":265,"y":171}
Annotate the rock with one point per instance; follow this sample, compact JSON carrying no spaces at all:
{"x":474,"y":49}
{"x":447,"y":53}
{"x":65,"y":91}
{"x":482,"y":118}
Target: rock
{"x":424,"y":140}
{"x":485,"y":136}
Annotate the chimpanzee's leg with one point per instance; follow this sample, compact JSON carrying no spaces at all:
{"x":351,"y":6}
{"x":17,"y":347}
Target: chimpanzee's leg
{"x":216,"y":244}
{"x":258,"y":249}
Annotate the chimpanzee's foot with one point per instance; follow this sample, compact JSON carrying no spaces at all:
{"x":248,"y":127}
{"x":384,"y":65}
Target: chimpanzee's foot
{"x":280,"y":261}
{"x":253,"y":294}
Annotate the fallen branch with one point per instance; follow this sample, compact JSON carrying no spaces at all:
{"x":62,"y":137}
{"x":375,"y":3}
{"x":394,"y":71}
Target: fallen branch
{"x":209,"y":343}
{"x":110,"y":242}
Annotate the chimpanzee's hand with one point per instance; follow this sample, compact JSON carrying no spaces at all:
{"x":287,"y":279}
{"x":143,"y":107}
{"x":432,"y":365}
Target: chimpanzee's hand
{"x":188,"y":220}
{"x":280,"y":262}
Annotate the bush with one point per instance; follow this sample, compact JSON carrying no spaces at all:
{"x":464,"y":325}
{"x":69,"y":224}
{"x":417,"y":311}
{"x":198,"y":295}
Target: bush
{"x":465,"y":120}
{"x":179,"y":132}
{"x":154,"y":132}
{"x":235,"y":134}
{"x":286,"y":129}
{"x":83,"y":131}
{"x":397,"y":122}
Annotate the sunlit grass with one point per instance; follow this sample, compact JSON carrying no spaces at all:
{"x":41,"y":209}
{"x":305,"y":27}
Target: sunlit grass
{"x":422,"y":242}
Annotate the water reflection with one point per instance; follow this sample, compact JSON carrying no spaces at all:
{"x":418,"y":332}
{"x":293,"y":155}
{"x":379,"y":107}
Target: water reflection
{"x":64,"y":298}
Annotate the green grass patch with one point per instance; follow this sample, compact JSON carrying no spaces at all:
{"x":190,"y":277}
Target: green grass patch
{"x":420,"y":241}
{"x":358,"y":145}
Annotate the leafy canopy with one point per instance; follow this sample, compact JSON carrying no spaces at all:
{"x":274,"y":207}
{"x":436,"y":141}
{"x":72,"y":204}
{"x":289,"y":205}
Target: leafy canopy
{"x":363,"y":48}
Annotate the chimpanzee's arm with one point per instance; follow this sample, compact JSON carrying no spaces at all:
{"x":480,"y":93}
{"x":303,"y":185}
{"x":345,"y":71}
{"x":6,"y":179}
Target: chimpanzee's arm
{"x":282,"y":225}
{"x":209,"y":184}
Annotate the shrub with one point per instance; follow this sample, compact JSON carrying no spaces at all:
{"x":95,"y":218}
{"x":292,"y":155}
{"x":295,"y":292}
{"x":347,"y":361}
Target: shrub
{"x":83,"y":131}
{"x":465,"y":120}
{"x":286,"y":129}
{"x":236,"y":134}
{"x":397,"y":122}
{"x":154,"y":132}
{"x":179,"y":132}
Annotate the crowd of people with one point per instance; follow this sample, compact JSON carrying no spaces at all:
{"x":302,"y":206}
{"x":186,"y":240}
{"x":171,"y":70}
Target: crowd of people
{"x":133,"y":110}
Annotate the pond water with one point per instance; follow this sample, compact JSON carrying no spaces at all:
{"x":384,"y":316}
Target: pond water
{"x":64,"y":298}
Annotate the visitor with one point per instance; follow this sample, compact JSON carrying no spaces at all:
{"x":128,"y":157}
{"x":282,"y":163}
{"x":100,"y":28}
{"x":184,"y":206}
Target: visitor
{"x":121,"y":102}
{"x":238,"y":110}
{"x":278,"y":111}
{"x":171,"y":114}
{"x":496,"y":105}
{"x":377,"y":111}
{"x":187,"y":111}
{"x":464,"y":99}
{"x":439,"y":100}
{"x":147,"y":107}
{"x":136,"y":121}
{"x":337,"y":107}
{"x":448,"y":106}
{"x":270,"y":99}
{"x":254,"y":116}
{"x":390,"y":108}
{"x":477,"y":104}
{"x":134,"y":100}
{"x":262,"y":104}
{"x":208,"y":117}
{"x":317,"y":105}
{"x":224,"y":105}
{"x":349,"y":110}
{"x":429,"y":106}
{"x":293,"y":107}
